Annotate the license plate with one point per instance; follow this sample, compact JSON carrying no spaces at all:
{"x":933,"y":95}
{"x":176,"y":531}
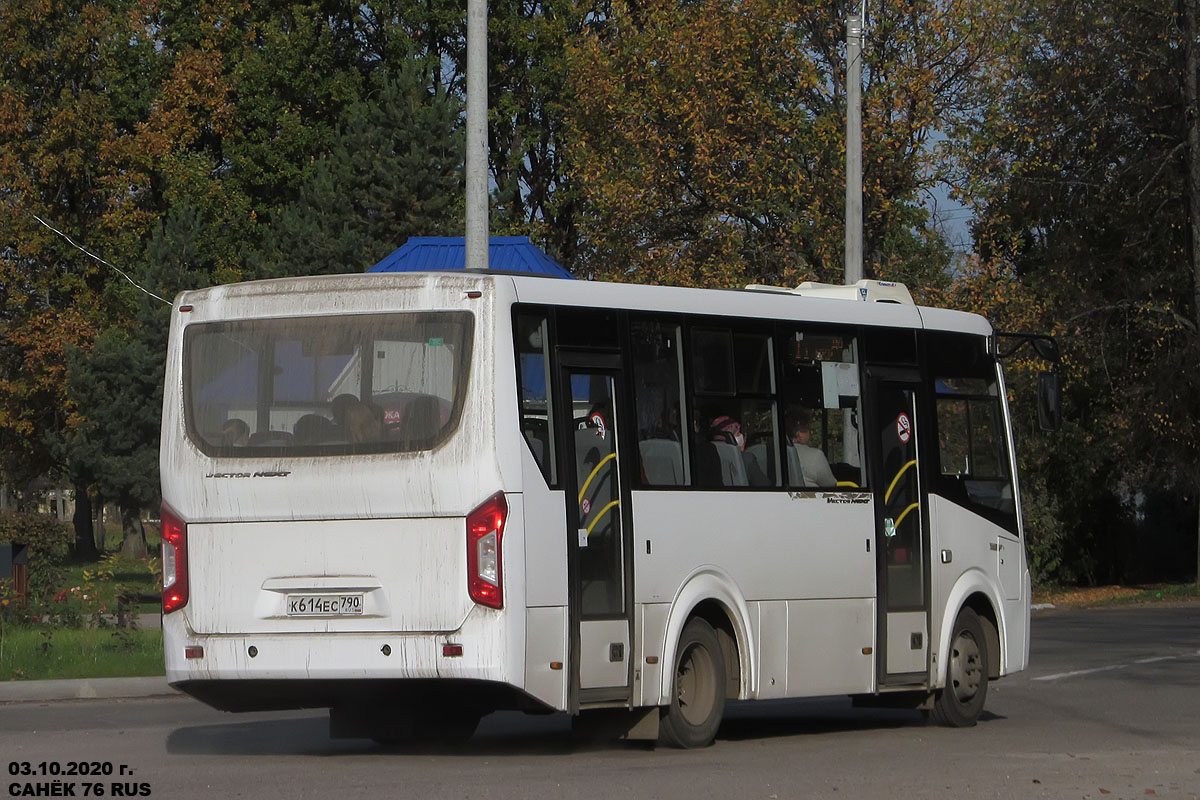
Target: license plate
{"x":324,"y":605}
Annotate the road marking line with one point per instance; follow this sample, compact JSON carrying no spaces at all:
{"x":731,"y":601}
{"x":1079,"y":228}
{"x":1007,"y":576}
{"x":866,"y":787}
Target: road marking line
{"x":1110,"y":667}
{"x":1080,"y":672}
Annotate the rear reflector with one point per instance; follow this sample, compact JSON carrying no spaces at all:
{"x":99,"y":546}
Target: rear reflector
{"x":193,"y":652}
{"x":452,"y":650}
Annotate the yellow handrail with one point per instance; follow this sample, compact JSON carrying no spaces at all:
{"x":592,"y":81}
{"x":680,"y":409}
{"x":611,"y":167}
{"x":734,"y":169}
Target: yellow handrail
{"x":904,"y":514}
{"x":603,"y":511}
{"x":888,"y":494}
{"x":593,"y":475}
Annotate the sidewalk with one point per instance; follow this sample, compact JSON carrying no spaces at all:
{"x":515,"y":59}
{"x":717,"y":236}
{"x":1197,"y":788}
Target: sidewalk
{"x":83,"y":689}
{"x":89,"y":688}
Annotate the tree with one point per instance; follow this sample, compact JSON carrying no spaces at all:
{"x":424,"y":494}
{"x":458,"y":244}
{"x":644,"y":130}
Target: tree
{"x":72,"y":82}
{"x":1079,"y":160}
{"x":119,"y":381}
{"x":529,"y":101}
{"x":394,"y":171}
{"x":707,"y":148}
{"x":34,"y":405}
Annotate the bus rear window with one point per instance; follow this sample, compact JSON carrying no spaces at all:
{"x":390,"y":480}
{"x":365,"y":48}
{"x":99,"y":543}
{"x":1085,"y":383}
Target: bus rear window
{"x":331,"y":385}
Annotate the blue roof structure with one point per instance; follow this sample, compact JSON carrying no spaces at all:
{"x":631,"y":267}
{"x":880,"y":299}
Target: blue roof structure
{"x":505,"y":254}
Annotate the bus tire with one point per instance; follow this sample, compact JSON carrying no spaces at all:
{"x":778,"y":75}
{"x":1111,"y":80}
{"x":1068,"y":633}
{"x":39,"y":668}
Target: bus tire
{"x":697,"y":689}
{"x":960,"y":702}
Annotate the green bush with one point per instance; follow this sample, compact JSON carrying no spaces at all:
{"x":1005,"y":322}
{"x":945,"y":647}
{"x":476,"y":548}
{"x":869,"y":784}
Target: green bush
{"x":49,"y":542}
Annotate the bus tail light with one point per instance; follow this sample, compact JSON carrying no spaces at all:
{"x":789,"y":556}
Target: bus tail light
{"x":174,"y":561}
{"x":485,"y":570}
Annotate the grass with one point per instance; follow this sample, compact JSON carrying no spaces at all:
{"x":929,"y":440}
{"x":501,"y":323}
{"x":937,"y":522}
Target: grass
{"x":1103,"y":596}
{"x":28,"y":653}
{"x":126,"y":573}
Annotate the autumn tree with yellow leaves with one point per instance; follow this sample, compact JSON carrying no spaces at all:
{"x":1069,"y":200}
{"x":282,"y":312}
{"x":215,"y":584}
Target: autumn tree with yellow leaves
{"x":707,"y":139}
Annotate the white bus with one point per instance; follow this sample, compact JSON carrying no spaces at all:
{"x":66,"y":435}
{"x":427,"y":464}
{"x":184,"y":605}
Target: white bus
{"x":418,"y":498}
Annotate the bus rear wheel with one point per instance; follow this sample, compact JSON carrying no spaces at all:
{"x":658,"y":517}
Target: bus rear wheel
{"x":960,"y":702}
{"x":697,"y":689}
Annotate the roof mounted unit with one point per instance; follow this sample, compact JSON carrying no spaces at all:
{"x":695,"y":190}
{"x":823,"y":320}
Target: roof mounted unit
{"x":869,"y":291}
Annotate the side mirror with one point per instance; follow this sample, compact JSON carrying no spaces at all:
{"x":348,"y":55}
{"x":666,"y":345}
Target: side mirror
{"x":1047,"y":348}
{"x":1049,"y":401}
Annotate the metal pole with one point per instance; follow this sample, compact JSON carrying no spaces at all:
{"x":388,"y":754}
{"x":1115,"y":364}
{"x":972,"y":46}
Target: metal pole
{"x":854,"y":223}
{"x":477,"y":147}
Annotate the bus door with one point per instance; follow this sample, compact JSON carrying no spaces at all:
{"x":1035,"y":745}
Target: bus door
{"x":597,"y":499}
{"x":901,"y":545}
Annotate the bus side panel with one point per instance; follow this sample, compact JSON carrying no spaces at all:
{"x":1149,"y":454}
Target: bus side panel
{"x":543,"y":553}
{"x":772,"y":632}
{"x":653,"y":633}
{"x":970,"y":540}
{"x":545,"y":535}
{"x":816,"y":668}
{"x":546,"y":644}
{"x":505,"y":414}
{"x":775,"y":545}
{"x":782,"y":551}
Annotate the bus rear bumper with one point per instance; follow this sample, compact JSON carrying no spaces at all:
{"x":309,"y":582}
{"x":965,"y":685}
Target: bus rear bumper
{"x":243,"y":672}
{"x":331,"y":656}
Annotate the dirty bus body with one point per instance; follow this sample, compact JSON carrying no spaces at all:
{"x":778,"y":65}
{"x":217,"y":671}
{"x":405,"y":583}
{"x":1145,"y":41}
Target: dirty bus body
{"x":417,"y":498}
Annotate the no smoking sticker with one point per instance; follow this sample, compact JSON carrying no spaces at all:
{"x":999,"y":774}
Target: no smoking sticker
{"x":904,"y":428}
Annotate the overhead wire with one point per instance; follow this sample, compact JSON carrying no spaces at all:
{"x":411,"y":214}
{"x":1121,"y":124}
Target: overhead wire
{"x":87,"y":252}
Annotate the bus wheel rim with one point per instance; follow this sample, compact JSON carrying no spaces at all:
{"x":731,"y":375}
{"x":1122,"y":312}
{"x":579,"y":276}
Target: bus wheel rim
{"x":966,"y":662}
{"x":695,"y":681}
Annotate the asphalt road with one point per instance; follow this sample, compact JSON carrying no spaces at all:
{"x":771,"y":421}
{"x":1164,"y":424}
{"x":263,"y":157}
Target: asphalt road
{"x":1110,"y":708}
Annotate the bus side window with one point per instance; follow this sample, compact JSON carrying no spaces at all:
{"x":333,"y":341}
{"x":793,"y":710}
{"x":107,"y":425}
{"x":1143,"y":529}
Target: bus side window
{"x":657,"y":366}
{"x":822,"y":408}
{"x":735,"y":426}
{"x":973,"y":465}
{"x":532,"y":348}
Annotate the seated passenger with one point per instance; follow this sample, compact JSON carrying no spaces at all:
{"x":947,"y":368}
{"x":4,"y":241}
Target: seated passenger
{"x":364,"y":422}
{"x":339,"y":406}
{"x":234,"y":433}
{"x":420,"y":422}
{"x":314,"y":429}
{"x":814,"y":467}
{"x":728,"y":429}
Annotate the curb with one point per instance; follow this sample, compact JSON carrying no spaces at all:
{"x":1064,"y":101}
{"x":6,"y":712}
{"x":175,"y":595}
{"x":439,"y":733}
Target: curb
{"x":84,"y":689}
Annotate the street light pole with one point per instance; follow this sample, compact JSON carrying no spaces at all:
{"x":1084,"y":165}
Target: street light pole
{"x":477,"y":147}
{"x":854,"y":222}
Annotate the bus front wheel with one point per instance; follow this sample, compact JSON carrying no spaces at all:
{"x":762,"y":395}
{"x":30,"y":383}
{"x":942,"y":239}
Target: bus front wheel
{"x":697,"y":690}
{"x":960,"y":702}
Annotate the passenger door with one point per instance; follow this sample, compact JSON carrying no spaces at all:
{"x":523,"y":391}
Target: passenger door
{"x":597,"y":499}
{"x":902,"y":549}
